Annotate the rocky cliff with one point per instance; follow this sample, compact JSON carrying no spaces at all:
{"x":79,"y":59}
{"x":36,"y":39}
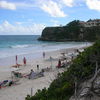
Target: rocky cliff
{"x":89,"y":89}
{"x":74,"y":31}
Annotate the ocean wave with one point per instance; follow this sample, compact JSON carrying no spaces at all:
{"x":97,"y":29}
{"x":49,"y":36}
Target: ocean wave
{"x":20,"y":46}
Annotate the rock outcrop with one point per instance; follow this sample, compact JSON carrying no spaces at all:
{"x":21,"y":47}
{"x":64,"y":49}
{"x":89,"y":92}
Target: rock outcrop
{"x":74,"y":31}
{"x":90,"y":89}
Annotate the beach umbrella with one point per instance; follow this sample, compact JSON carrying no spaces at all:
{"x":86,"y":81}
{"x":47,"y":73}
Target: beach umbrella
{"x":51,"y":61}
{"x":51,"y":58}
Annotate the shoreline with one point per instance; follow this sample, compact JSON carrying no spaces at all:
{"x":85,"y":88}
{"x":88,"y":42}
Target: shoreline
{"x":10,"y":60}
{"x":25,"y":85}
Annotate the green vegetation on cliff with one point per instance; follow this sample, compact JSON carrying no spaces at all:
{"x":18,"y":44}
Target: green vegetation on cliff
{"x":82,"y":68}
{"x":74,"y":31}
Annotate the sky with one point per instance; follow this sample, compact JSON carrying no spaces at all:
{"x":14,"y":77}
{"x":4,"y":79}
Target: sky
{"x":30,"y":17}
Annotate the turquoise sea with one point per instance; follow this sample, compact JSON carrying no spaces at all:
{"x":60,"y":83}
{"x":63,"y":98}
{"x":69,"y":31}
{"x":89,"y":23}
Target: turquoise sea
{"x":29,"y":46}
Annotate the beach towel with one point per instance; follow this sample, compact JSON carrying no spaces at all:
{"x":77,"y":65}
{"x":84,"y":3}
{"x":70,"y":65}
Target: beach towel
{"x":7,"y":83}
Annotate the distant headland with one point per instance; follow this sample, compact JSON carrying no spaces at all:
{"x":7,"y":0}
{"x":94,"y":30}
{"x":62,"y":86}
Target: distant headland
{"x":73,"y":31}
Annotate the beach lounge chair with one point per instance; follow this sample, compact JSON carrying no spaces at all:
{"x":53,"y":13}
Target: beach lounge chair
{"x":17,"y":74}
{"x":46,"y":69}
{"x":17,"y":65}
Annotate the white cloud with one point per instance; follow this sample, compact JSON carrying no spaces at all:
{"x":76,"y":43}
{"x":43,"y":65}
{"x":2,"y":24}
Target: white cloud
{"x":14,"y":5}
{"x":24,"y":5}
{"x":68,"y":3}
{"x":7,"y":28}
{"x":18,"y":23}
{"x":7,"y":5}
{"x":52,"y":8}
{"x":93,"y":4}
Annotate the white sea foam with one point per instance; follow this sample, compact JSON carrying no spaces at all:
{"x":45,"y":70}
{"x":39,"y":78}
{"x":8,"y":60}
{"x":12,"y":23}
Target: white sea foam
{"x":33,"y":48}
{"x":20,"y":46}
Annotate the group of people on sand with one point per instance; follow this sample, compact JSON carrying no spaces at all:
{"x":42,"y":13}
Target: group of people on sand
{"x":24,"y":60}
{"x":61,"y":64}
{"x":31,"y":75}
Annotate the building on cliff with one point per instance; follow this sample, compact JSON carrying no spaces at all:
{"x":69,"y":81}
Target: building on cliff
{"x":91,"y":23}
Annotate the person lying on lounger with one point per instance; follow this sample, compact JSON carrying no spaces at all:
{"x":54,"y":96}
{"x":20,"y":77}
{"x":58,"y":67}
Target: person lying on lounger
{"x":34,"y":75}
{"x":6,"y":83}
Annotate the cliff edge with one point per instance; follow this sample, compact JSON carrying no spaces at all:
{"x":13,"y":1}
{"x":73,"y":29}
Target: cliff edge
{"x":73,"y":31}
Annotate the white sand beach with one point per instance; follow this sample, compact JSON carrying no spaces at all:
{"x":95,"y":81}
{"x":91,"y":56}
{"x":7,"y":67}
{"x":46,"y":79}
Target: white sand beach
{"x":24,"y":86}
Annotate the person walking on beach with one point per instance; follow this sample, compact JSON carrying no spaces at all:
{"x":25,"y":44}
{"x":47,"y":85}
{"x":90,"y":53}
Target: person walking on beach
{"x":37,"y":67}
{"x":43,"y":54}
{"x":24,"y":61}
{"x":16,"y":60}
